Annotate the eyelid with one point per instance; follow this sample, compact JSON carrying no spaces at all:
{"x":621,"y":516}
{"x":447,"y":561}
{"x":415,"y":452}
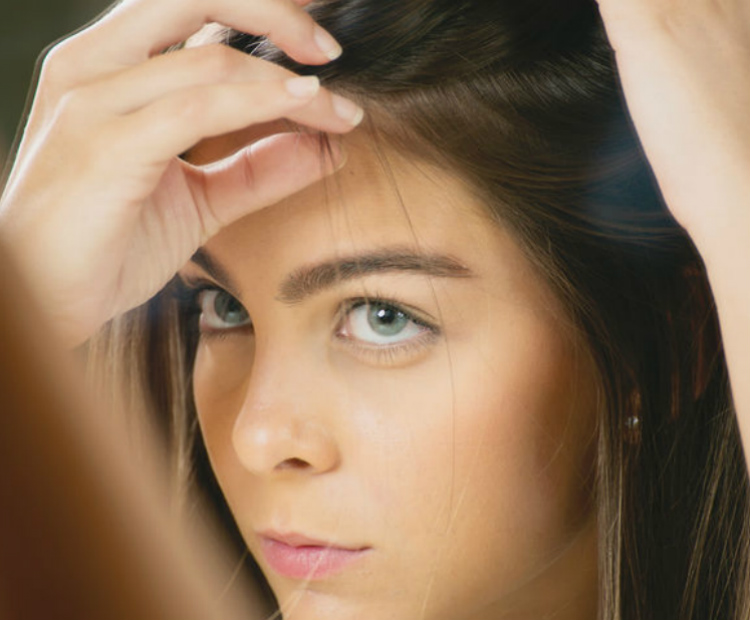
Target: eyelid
{"x":198,"y":283}
{"x":189,"y":291}
{"x":392,"y":354}
{"x":186,"y":290}
{"x":194,"y":285}
{"x":420,"y":317}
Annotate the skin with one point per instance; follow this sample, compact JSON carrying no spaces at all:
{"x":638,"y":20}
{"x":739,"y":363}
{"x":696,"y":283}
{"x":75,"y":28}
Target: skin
{"x":471,"y":448}
{"x":98,"y":235}
{"x":129,"y":219}
{"x":685,"y":68}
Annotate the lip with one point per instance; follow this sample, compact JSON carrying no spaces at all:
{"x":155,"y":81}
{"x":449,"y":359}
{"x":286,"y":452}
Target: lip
{"x":300,"y":557}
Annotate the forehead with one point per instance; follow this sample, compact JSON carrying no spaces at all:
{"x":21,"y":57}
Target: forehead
{"x":379,"y":199}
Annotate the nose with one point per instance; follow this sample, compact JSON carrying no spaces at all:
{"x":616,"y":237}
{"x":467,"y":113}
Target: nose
{"x":287,"y":420}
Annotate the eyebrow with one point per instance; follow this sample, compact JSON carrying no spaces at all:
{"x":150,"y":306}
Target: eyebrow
{"x":313,"y":279}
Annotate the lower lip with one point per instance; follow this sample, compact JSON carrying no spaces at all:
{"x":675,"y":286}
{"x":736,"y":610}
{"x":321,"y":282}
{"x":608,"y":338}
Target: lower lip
{"x":307,"y":562}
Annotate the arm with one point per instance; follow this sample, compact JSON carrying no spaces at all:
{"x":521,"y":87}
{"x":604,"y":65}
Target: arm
{"x":685,"y":70}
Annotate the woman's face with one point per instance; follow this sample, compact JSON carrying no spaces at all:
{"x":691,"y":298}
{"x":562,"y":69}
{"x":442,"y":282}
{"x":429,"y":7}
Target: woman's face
{"x":396,"y":383}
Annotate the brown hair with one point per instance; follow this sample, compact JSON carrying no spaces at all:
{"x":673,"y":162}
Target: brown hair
{"x":522,"y":100}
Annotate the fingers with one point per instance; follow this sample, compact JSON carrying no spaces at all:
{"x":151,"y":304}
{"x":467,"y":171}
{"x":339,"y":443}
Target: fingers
{"x":260,"y":175}
{"x":167,"y":22}
{"x":98,"y":159}
{"x":135,"y":87}
{"x":137,"y":29}
{"x":177,"y":121}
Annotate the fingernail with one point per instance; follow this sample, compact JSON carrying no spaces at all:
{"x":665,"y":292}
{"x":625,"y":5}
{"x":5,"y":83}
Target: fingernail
{"x":303,"y":87}
{"x":327,"y":44}
{"x":347,"y":110}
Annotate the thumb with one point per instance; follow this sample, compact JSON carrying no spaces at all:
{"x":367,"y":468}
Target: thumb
{"x":260,"y":175}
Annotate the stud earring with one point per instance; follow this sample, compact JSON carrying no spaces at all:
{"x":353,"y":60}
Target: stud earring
{"x":632,"y":429}
{"x":633,"y":423}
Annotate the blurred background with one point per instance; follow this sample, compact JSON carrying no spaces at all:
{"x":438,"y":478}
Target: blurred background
{"x":26,"y":28}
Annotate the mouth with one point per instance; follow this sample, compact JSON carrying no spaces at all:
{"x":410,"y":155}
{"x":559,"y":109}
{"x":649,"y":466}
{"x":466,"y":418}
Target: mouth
{"x":299,"y":557}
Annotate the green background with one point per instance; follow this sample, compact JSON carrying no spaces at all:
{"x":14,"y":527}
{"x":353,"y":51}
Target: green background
{"x":27,"y":27}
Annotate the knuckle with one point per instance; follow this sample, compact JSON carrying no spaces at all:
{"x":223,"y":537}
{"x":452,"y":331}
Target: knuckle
{"x":55,"y":55}
{"x":293,"y":21}
{"x":58,"y":64}
{"x":74,"y":104}
{"x":218,"y":61}
{"x":290,"y":10}
{"x":292,"y":30}
{"x":247,"y":169}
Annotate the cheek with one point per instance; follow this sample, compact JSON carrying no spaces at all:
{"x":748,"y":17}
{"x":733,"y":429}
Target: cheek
{"x":526,"y":424}
{"x":509,"y":419}
{"x":528,"y":411}
{"x":221,"y":372}
{"x":486,"y":458}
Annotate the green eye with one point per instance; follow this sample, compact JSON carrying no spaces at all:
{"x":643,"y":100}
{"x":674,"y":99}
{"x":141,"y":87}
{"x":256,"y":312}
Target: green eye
{"x":379,"y":324}
{"x":385,"y":320}
{"x":221,"y":311}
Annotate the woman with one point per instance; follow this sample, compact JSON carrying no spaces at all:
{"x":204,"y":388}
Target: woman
{"x":476,"y":373}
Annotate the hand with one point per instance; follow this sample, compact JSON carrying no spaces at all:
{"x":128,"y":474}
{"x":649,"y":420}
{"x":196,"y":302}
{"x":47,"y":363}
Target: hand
{"x":98,"y":209}
{"x":685,"y":69}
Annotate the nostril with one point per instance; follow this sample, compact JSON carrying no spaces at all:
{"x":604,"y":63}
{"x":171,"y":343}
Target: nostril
{"x":293,"y":463}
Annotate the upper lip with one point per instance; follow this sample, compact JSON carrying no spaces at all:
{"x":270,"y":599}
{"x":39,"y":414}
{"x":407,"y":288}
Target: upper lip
{"x":294,"y":539}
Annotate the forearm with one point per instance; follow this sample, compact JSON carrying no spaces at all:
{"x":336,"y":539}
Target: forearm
{"x":726,"y":253}
{"x":685,"y":72}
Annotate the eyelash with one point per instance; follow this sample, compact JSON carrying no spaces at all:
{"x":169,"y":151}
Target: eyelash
{"x":389,"y":353}
{"x":187,"y":292}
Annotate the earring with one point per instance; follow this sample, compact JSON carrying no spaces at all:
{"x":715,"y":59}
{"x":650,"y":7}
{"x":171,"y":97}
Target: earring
{"x":633,"y":423}
{"x":632,"y":429}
